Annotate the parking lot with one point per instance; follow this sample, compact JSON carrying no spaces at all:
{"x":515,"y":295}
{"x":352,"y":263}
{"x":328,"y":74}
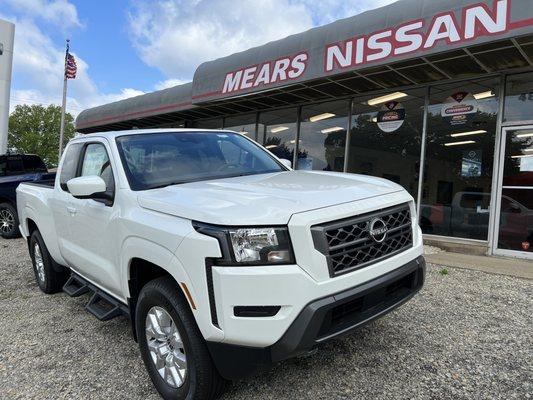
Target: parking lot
{"x":468,"y":334}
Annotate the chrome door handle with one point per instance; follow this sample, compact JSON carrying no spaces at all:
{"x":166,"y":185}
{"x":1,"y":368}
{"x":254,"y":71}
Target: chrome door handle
{"x":72,"y":210}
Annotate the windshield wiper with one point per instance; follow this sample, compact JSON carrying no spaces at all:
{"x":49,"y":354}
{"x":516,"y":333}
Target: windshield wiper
{"x":268,"y":171}
{"x":166,"y":184}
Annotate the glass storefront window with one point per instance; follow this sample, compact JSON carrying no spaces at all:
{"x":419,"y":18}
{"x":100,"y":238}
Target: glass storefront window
{"x":519,"y":98}
{"x":213,"y":123}
{"x":385,"y":137}
{"x":244,"y":124}
{"x":176,"y":124}
{"x":516,"y":208}
{"x":323,"y":136}
{"x":459,"y":159}
{"x":279,"y":132}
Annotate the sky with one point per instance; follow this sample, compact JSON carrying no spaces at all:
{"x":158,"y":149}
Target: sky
{"x":126,"y":48}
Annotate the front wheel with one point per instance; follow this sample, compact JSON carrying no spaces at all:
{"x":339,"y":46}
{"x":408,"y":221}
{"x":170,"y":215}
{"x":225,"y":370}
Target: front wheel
{"x":9,"y":221}
{"x":172,"y":347}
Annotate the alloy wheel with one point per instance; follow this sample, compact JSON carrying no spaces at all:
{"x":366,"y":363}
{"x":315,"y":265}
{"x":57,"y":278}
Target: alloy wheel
{"x":166,"y":346}
{"x":7,"y":221}
{"x":39,"y":264}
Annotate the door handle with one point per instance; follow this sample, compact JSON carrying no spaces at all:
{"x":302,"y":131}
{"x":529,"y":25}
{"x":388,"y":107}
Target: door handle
{"x":72,"y":210}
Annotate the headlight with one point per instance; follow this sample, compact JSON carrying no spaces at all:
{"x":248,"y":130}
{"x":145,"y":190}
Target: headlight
{"x":251,"y":246}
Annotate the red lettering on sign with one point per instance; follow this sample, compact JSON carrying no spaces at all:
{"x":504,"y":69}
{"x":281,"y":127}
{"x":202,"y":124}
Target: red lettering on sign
{"x":476,"y":20}
{"x":267,"y":73}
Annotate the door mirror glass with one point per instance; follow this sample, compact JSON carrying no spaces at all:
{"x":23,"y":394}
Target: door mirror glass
{"x":286,"y":162}
{"x":515,"y":208}
{"x":87,"y":187}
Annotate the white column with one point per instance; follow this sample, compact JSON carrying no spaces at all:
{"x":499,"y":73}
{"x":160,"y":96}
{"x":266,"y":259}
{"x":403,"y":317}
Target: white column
{"x":7,"y":36}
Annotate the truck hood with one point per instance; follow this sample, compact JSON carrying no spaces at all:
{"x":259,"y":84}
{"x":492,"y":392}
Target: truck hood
{"x":265,"y":199}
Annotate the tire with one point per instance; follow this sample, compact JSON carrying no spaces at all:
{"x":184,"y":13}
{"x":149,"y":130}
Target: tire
{"x":49,"y":280}
{"x":199,"y":379}
{"x":9,"y":221}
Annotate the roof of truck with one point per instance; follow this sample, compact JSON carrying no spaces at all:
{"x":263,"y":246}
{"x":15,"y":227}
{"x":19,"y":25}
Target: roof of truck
{"x":114,"y":134}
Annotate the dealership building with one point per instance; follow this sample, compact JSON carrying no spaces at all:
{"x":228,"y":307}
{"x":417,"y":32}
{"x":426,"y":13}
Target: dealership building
{"x":434,"y":95}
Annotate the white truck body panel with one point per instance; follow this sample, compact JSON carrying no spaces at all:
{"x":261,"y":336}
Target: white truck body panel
{"x":99,"y":242}
{"x":263,"y":199}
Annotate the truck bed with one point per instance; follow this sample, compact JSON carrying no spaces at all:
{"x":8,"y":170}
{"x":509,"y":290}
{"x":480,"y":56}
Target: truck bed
{"x":46,"y":183}
{"x":33,"y":203}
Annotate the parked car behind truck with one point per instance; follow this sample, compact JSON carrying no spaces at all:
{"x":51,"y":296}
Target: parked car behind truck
{"x":224,"y":259}
{"x":14,"y":169}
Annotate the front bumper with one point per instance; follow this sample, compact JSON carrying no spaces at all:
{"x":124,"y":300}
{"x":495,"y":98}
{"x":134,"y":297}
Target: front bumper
{"x":324,"y":319}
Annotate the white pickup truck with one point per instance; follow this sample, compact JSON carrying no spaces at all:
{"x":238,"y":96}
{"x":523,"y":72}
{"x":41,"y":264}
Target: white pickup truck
{"x":224,"y":259}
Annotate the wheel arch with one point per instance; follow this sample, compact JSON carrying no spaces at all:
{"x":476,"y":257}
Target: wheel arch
{"x":144,"y":261}
{"x":31,"y":226}
{"x":4,"y":199}
{"x":40,"y":215}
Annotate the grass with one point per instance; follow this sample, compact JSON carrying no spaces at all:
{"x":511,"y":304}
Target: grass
{"x":444,"y":271}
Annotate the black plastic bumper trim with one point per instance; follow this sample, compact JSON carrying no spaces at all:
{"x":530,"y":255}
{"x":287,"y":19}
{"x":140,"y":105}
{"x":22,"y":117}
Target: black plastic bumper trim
{"x":304,"y":332}
{"x":234,"y":362}
{"x":255,"y":311}
{"x":211,"y":291}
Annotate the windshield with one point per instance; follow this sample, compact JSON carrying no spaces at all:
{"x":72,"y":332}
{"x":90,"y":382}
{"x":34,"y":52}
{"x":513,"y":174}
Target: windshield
{"x":155,"y":160}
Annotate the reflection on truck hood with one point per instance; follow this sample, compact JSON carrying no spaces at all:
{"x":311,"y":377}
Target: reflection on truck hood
{"x":266,"y":199}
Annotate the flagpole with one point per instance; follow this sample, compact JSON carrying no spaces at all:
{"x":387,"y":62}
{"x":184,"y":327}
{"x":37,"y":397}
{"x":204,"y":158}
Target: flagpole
{"x":63,"y":105}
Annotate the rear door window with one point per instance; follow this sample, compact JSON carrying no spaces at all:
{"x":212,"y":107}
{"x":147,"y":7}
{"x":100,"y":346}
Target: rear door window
{"x":69,"y":167}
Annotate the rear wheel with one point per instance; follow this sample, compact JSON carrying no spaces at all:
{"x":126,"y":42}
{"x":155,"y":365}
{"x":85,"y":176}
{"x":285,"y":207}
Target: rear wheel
{"x":172,"y":347}
{"x":49,"y":280}
{"x":9,"y":221}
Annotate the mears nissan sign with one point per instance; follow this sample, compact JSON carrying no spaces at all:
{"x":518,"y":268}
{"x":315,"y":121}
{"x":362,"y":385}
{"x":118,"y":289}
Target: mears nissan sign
{"x":470,"y":24}
{"x":477,"y":20}
{"x":266,"y":73}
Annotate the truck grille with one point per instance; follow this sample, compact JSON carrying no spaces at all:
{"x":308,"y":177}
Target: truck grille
{"x":357,"y":242}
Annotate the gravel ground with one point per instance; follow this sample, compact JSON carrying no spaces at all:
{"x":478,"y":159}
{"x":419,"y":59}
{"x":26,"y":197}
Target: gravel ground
{"x":466,"y":335}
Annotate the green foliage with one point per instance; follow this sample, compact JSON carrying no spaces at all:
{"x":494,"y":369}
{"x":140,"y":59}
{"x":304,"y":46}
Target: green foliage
{"x":34,"y":129}
{"x":444,"y":271}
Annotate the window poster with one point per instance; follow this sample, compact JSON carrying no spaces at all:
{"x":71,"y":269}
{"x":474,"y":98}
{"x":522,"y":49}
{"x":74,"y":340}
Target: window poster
{"x":459,"y":108}
{"x":391,"y":116}
{"x":471,"y":164}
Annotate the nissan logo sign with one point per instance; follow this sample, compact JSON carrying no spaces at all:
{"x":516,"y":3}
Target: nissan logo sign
{"x":378,"y":230}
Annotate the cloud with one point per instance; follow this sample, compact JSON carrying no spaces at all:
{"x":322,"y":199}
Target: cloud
{"x":326,"y":11}
{"x":38,"y":73}
{"x":175,"y":36}
{"x":58,"y":12}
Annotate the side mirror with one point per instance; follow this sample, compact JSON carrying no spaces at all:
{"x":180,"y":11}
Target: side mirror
{"x":515,"y":208}
{"x":86,"y":187}
{"x":286,"y":162}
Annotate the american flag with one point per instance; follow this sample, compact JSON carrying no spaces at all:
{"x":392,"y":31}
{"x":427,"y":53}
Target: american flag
{"x":70,"y":66}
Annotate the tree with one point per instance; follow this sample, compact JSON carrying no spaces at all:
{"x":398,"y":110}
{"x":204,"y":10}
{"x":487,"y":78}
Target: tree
{"x":34,"y":129}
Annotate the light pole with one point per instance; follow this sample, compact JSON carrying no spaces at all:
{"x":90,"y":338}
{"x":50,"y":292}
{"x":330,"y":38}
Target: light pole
{"x":7,"y":37}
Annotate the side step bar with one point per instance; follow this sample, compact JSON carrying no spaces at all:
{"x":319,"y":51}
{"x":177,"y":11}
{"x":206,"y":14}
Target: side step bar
{"x":75,"y":286}
{"x":101,"y":305}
